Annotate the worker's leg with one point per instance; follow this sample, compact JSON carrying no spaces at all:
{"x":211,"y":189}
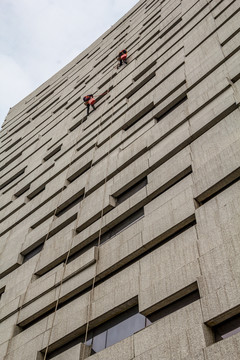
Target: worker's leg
{"x":93,"y":107}
{"x":88,"y":108}
{"x":120,"y":63}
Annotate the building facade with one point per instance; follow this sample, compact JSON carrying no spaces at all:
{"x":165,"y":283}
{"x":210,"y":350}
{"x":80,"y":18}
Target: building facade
{"x":120,"y":230}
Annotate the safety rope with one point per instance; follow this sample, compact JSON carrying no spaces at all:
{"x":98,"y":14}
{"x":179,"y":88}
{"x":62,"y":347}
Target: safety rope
{"x":91,"y":296}
{"x":47,"y":236}
{"x":68,"y":253}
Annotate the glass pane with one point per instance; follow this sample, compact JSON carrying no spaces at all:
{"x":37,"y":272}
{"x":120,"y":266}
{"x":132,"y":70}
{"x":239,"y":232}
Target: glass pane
{"x":148,"y":322}
{"x":124,"y":329}
{"x":227,"y":328}
{"x":230,"y":333}
{"x":99,"y":342}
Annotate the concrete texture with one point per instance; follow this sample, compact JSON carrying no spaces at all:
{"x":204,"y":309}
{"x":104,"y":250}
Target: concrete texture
{"x":171,"y":117}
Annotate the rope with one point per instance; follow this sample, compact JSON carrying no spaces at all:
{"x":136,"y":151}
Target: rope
{"x":68,"y":253}
{"x":91,"y":297}
{"x":47,"y":236}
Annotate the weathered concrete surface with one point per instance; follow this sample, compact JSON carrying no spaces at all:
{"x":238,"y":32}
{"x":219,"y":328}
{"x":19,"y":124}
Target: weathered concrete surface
{"x":137,"y":204}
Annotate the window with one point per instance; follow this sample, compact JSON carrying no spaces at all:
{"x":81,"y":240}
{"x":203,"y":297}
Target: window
{"x":36,"y":192}
{"x":174,"y":306}
{"x":45,"y":109}
{"x":138,"y":116}
{"x":53,"y":152}
{"x":109,"y":333}
{"x":67,"y":206}
{"x":33,"y":252}
{"x":227,"y":328}
{"x":2,"y":291}
{"x":172,"y":106}
{"x":132,"y":190}
{"x":80,"y":172}
{"x":122,"y":225}
{"x":11,"y":179}
{"x":116,"y":329}
{"x":124,"y":325}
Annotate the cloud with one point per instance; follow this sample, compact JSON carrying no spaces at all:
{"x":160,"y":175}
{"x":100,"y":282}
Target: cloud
{"x":15,"y":84}
{"x":40,"y":37}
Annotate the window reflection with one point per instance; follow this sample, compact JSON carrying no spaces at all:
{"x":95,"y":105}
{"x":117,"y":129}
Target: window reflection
{"x":227,"y":328}
{"x":131,"y":321}
{"x":99,"y":342}
{"x":116,"y":329}
{"x":126,"y":328}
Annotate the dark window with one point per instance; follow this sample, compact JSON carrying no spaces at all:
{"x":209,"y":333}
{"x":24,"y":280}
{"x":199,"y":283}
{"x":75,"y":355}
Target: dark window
{"x":52,"y":153}
{"x":151,"y":3}
{"x":145,"y":70}
{"x":32,"y":253}
{"x":82,"y":251}
{"x":45,"y":109}
{"x":227,"y":328}
{"x":15,"y":176}
{"x":138,"y":117}
{"x":43,"y":90}
{"x":13,"y":144}
{"x":36,"y":192}
{"x":122,"y":225}
{"x":2,"y":291}
{"x":174,"y":306}
{"x":124,"y":325}
{"x":22,"y":190}
{"x":132,"y":190}
{"x":109,"y":333}
{"x":66,"y":206}
{"x":118,"y":328}
{"x":60,"y":107}
{"x":172,"y":108}
{"x":79,"y":172}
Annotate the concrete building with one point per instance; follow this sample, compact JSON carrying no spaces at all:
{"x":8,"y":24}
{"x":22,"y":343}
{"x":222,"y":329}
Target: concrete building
{"x":120,"y":230}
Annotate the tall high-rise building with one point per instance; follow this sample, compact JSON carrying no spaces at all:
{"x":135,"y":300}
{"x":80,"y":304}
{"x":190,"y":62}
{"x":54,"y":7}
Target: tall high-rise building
{"x":120,"y":230}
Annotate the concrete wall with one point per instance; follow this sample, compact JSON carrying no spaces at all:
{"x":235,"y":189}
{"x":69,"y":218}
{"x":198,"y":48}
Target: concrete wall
{"x":171,"y":117}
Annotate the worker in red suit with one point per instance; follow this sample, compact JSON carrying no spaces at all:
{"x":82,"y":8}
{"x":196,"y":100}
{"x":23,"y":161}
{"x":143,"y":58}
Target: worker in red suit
{"x":89,"y":100}
{"x":122,"y":57}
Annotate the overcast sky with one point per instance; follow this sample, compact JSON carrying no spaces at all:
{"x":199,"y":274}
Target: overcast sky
{"x":39,"y":37}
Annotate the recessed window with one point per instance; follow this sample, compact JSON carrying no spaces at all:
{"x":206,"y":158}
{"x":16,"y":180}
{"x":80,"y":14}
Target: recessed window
{"x":45,"y":109}
{"x":67,"y":206}
{"x":32,"y":253}
{"x":138,"y":117}
{"x":36,"y":192}
{"x":118,"y":328}
{"x":227,"y":328}
{"x":174,"y":306}
{"x":53,"y":152}
{"x":131,"y":219}
{"x":124,"y":325}
{"x":2,"y":291}
{"x":131,"y":191}
{"x":172,"y":108}
{"x":11,"y":179}
{"x":109,"y":333}
{"x":79,"y":172}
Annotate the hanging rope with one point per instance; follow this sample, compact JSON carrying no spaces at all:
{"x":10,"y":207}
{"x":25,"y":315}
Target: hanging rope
{"x":47,"y":236}
{"x":91,"y":297}
{"x":68,"y":253}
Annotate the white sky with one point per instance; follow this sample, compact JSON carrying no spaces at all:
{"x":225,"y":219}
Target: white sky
{"x":39,"y":37}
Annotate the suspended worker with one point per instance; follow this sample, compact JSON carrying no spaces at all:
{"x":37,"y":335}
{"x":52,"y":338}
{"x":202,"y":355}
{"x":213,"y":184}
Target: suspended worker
{"x":89,"y":100}
{"x":122,"y":57}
